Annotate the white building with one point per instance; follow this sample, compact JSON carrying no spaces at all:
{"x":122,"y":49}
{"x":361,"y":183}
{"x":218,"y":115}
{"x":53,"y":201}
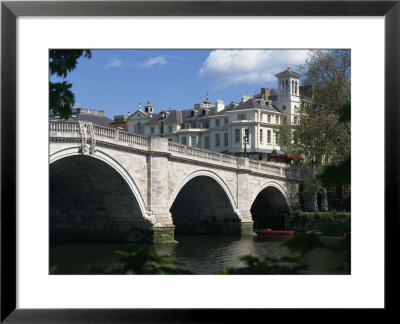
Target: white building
{"x":235,"y":128}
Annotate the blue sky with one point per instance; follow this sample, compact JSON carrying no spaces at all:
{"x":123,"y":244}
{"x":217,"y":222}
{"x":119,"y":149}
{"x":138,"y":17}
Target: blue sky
{"x":117,"y":80}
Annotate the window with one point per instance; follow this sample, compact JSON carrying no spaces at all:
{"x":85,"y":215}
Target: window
{"x":187,"y":125}
{"x":152,"y":130}
{"x":242,"y":117}
{"x":193,"y":140}
{"x":284,"y":120}
{"x":268,"y":136}
{"x":276,"y":138}
{"x":226,"y":120}
{"x":284,"y":107}
{"x":207,"y":142}
{"x":217,"y":140}
{"x":295,"y":120}
{"x":276,"y":119}
{"x":169,"y":128}
{"x":198,"y":125}
{"x":217,"y":123}
{"x":269,"y":119}
{"x":183,"y":140}
{"x":192,"y":113}
{"x":203,"y":112}
{"x":139,"y":128}
{"x":226,"y":139}
{"x":261,"y":135}
{"x":237,"y":135}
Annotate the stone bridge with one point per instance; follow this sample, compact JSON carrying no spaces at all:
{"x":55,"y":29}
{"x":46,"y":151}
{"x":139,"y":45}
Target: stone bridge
{"x":110,"y":186}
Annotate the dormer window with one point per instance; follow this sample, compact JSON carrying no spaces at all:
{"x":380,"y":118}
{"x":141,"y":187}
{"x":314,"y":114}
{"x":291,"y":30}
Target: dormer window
{"x":192,"y":113}
{"x":203,"y":112}
{"x":198,"y":125}
{"x":187,"y":125}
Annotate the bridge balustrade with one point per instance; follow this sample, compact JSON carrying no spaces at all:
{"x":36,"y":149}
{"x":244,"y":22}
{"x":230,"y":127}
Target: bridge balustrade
{"x":60,"y":128}
{"x":64,"y":127}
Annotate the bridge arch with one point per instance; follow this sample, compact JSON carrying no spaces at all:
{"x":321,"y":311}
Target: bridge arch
{"x":72,"y":151}
{"x":202,"y":203}
{"x":269,"y":206}
{"x":203,"y":173}
{"x":93,"y":198}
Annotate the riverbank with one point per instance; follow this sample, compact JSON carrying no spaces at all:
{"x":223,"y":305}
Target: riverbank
{"x":328,"y":222}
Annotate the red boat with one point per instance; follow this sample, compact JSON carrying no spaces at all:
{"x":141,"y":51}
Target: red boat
{"x":269,"y":231}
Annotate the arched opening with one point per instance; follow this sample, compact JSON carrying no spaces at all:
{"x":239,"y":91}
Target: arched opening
{"x":203,"y":207}
{"x":269,"y":209}
{"x":91,"y":202}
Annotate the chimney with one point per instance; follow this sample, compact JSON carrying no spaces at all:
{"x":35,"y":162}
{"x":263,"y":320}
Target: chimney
{"x":307,"y":90}
{"x":119,"y":119}
{"x":219,"y":105}
{"x":264,"y":93}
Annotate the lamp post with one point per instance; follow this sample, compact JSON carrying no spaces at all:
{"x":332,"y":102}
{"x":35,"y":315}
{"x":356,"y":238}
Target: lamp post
{"x":163,"y":115}
{"x":245,"y":141}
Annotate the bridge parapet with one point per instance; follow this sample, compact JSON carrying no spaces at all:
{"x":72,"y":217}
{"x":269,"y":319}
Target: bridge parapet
{"x":72,"y":129}
{"x":63,"y":128}
{"x":269,"y":167}
{"x":196,"y":153}
{"x":88,"y":133}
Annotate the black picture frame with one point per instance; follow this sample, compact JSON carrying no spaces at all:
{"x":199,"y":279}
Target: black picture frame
{"x":10,"y":10}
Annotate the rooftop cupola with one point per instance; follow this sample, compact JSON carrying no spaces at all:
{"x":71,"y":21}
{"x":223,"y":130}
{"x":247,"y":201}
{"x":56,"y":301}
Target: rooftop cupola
{"x":207,"y":101}
{"x":149,"y":107}
{"x":288,"y":82}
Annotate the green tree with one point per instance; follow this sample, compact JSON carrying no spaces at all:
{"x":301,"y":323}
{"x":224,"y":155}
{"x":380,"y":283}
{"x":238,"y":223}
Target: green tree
{"x":61,"y":97}
{"x":325,"y":129}
{"x":323,"y":135}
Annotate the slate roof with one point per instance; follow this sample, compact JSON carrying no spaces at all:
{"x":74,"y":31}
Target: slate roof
{"x":270,"y":108}
{"x":273,"y":92}
{"x":198,"y":118}
{"x":248,"y":104}
{"x":288,"y":72}
{"x":95,"y":119}
{"x":183,"y":116}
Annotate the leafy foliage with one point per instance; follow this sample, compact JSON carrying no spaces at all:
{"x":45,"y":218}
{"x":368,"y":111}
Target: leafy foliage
{"x":286,"y":265}
{"x":324,"y":131}
{"x":303,"y":243}
{"x":336,"y":174}
{"x":62,"y":62}
{"x":323,"y":135}
{"x":143,"y":259}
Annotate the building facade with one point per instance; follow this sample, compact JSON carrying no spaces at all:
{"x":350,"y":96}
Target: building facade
{"x":246,"y":127}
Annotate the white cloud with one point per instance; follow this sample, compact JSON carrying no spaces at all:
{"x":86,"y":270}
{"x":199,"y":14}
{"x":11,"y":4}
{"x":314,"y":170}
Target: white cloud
{"x":229,"y":67}
{"x":114,"y":62}
{"x":154,"y":60}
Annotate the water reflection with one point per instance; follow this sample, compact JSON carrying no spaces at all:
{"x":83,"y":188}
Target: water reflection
{"x":202,"y":254}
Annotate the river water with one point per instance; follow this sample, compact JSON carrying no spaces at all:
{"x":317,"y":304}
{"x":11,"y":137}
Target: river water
{"x":201,"y":254}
